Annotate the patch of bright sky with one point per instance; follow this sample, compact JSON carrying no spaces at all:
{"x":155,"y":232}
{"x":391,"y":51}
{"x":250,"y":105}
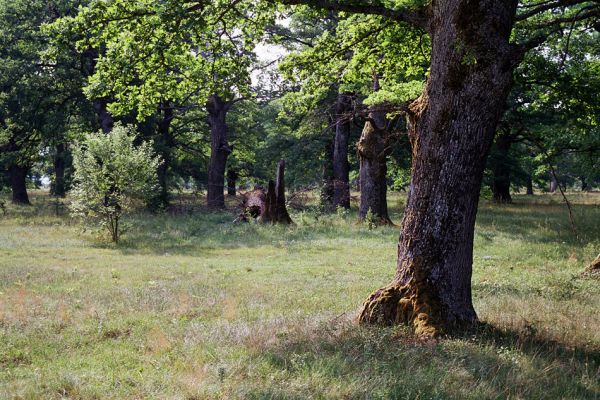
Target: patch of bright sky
{"x":269,"y":56}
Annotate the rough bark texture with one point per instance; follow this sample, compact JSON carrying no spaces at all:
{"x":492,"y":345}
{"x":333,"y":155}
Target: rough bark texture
{"x":252,"y":205}
{"x":58,"y":186}
{"x":451,"y":128}
{"x":219,"y":151}
{"x":269,"y":206}
{"x":341,"y":166}
{"x":373,"y":151}
{"x":501,"y":170}
{"x":232,"y":177}
{"x":275,"y":210}
{"x":18,"y":184}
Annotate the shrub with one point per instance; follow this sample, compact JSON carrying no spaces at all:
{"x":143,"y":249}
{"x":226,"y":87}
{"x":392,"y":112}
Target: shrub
{"x":110,"y":173}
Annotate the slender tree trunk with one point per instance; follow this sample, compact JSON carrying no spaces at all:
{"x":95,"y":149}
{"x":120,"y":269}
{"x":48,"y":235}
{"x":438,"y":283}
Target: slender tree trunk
{"x":553,"y":183}
{"x":501,"y":180}
{"x":373,"y":151}
{"x":219,"y":151}
{"x":451,"y":128}
{"x":232,"y":177}
{"x":165,"y":146}
{"x":18,"y":184}
{"x":341,"y":166}
{"x":58,"y":186}
{"x":585,"y":187}
{"x":529,"y":186}
{"x":327,"y":191}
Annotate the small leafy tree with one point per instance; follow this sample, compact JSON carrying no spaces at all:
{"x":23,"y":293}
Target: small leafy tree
{"x":110,"y":173}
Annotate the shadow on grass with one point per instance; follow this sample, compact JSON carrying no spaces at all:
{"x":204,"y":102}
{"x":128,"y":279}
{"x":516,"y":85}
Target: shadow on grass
{"x":346,"y":361}
{"x":540,"y":223}
{"x":193,"y":229}
{"x":196,"y":233}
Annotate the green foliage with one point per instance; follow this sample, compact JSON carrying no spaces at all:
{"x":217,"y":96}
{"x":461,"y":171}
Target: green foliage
{"x":41,"y":102}
{"x":355,"y":47}
{"x":552,"y":117}
{"x":371,"y":220}
{"x":110,"y":173}
{"x":169,"y":50}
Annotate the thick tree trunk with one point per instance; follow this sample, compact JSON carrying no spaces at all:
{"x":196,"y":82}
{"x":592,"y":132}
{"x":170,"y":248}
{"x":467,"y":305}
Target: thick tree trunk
{"x":18,"y":184}
{"x":219,"y":151}
{"x":529,"y":186}
{"x":232,"y":177}
{"x":341,"y":166}
{"x":58,"y":186}
{"x":451,"y":128}
{"x":373,"y":150}
{"x":501,"y":170}
{"x":105,"y":119}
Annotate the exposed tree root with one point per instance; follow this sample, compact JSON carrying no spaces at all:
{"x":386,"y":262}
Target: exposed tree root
{"x":395,"y":304}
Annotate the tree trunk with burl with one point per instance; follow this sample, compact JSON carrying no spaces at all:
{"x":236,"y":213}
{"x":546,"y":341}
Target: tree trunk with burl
{"x":373,"y":149}
{"x":451,"y":128}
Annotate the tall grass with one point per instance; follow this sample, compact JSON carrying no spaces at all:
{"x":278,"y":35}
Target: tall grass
{"x":191,"y":306}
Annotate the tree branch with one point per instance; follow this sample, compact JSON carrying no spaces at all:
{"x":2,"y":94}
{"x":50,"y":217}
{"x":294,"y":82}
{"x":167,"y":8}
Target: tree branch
{"x":549,"y":5}
{"x":418,"y":17}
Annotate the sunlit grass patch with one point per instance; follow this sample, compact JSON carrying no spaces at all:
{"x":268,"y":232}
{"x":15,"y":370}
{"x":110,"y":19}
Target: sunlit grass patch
{"x":192,"y":306}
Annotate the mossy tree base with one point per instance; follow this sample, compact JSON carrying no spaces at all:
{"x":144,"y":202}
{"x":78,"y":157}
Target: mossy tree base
{"x":396,"y":304}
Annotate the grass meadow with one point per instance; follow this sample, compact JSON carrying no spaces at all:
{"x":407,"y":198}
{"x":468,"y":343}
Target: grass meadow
{"x":191,"y":306}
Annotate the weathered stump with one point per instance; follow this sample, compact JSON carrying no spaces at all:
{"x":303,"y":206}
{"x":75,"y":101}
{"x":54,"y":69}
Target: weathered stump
{"x":269,"y":206}
{"x":594,"y":268}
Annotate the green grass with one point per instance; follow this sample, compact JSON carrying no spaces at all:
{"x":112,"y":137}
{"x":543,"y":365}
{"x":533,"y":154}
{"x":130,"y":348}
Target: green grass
{"x":190,"y":306}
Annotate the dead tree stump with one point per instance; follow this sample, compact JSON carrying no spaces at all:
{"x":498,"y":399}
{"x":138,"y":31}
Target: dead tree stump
{"x":594,"y":268}
{"x":269,"y":206}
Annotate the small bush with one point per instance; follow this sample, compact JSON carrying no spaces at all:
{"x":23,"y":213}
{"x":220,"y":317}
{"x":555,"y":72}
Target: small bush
{"x":371,"y":220}
{"x":111,"y":172}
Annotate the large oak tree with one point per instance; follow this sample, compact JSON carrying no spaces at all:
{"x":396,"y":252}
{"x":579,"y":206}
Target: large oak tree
{"x":475,"y":47}
{"x":475,"y":50}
